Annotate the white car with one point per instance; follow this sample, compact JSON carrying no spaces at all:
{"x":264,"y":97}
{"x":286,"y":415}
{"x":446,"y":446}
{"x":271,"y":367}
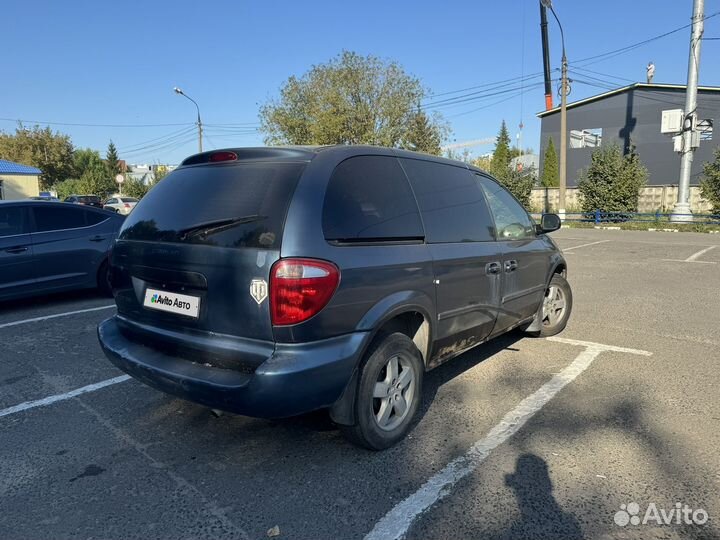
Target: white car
{"x":121,"y":205}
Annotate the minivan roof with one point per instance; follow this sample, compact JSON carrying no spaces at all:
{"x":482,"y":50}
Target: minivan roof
{"x":307,"y":153}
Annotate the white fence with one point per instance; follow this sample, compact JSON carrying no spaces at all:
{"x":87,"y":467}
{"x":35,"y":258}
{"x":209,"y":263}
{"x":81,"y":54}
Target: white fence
{"x":652,"y":198}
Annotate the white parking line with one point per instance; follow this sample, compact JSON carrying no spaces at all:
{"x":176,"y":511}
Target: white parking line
{"x":694,"y":257}
{"x":396,"y":523}
{"x":62,"y":397}
{"x":46,"y":317}
{"x":585,"y":245}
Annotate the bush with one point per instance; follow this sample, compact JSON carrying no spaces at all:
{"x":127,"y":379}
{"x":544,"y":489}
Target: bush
{"x":710,"y":183}
{"x":612,"y":182}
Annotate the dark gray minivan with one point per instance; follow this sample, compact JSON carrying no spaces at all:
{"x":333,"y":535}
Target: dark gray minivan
{"x":275,"y":281}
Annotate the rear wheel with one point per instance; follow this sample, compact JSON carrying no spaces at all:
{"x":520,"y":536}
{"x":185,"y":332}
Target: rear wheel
{"x":554,"y":312}
{"x":103,"y":279}
{"x":388,"y":394}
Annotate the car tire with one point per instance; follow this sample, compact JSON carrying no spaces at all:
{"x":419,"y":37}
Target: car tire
{"x":555,"y":309}
{"x":103,"y":279}
{"x":395,"y":364}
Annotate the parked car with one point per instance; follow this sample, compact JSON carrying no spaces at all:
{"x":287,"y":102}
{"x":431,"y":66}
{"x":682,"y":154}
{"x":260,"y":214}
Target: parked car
{"x":50,"y":247}
{"x":334,"y":277}
{"x":120,"y":205}
{"x":41,"y":197}
{"x":86,"y":200}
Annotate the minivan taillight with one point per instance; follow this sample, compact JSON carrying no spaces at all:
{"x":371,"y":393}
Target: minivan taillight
{"x":300,"y":288}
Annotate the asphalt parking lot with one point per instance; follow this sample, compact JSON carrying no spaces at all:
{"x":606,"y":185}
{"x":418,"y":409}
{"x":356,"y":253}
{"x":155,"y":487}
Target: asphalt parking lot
{"x":520,"y":438}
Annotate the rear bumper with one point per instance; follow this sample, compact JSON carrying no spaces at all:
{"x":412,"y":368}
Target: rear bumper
{"x":295,"y":379}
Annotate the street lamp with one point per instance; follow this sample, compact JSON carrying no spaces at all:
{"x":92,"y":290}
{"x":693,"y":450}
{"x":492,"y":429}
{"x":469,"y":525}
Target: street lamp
{"x":199,"y":122}
{"x":563,"y":116}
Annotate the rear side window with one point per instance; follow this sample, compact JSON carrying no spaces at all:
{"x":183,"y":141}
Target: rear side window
{"x":235,"y":206}
{"x":13,"y":221}
{"x":93,"y":218}
{"x":56,"y":218}
{"x":368,"y":199}
{"x":511,"y":219}
{"x":452,"y":205}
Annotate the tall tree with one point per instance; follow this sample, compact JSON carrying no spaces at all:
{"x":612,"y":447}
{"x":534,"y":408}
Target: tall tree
{"x":92,"y":172}
{"x":111,"y":160}
{"x":612,"y":182}
{"x":423,"y":135}
{"x":351,"y":99}
{"x":501,"y":154}
{"x":710,"y":182}
{"x":49,"y":151}
{"x":550,"y":174}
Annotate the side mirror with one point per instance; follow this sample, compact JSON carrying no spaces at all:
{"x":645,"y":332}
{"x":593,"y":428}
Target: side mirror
{"x":549,"y":223}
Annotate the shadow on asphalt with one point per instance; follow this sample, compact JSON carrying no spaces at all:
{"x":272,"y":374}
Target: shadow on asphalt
{"x":51,"y":300}
{"x":540,"y":514}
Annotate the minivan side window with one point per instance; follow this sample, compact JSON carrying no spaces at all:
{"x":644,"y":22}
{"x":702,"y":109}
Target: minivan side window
{"x":93,"y":218}
{"x":54,"y":218}
{"x":511,"y":219}
{"x":13,"y":221}
{"x":451,"y":202}
{"x":368,"y":198}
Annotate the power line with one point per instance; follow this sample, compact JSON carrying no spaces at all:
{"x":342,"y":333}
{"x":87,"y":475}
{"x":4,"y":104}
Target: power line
{"x":484,"y":85}
{"x":20,"y":120}
{"x":513,"y":96}
{"x":610,"y":54}
{"x":472,"y":96}
{"x":145,"y":144}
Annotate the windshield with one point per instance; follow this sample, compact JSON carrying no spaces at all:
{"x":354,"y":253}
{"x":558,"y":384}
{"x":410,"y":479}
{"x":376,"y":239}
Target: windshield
{"x":238,"y":205}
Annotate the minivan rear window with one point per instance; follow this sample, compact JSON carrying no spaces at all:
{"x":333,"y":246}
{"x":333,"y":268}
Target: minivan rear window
{"x":234,"y":206}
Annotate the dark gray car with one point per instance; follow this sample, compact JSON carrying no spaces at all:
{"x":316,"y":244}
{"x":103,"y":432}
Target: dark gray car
{"x":334,"y":277}
{"x":48,"y":247}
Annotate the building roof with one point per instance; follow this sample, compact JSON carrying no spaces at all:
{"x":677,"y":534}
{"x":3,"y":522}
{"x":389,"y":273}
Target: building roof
{"x":9,"y":167}
{"x":634,"y":86}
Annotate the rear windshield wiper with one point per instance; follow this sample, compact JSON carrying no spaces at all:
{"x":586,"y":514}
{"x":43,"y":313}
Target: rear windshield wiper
{"x":217,"y":225}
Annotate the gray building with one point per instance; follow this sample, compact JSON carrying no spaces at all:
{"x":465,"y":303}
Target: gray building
{"x":632,"y":115}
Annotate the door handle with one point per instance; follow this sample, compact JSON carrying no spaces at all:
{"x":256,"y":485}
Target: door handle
{"x":492,"y":268}
{"x":97,"y":238}
{"x":510,"y":266}
{"x":18,"y":249}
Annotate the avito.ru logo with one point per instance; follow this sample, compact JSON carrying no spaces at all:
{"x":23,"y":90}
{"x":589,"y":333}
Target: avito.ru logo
{"x":680,"y":514}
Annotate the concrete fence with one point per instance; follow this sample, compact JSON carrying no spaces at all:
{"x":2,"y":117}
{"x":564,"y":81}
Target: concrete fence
{"x":651,"y":198}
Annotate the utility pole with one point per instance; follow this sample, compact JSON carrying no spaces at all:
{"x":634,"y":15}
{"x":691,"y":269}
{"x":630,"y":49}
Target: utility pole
{"x":199,"y":125}
{"x":563,"y":116}
{"x":199,"y":122}
{"x":681,"y":211}
{"x":563,"y":137}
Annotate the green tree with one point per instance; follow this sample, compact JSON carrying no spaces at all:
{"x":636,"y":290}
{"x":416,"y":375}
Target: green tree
{"x":136,"y":187}
{"x":351,"y":99}
{"x":710,"y":182}
{"x":111,"y":160}
{"x":483,"y":162}
{"x":423,"y":135}
{"x":71,"y":186}
{"x":159,"y":172}
{"x":500,"y":166}
{"x":520,"y":183}
{"x":550,"y":174}
{"x":49,"y":151}
{"x":92,"y":172}
{"x":612,"y":182}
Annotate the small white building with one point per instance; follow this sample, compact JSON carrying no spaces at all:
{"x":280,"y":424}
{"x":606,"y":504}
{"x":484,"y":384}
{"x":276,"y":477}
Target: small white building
{"x":18,"y":181}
